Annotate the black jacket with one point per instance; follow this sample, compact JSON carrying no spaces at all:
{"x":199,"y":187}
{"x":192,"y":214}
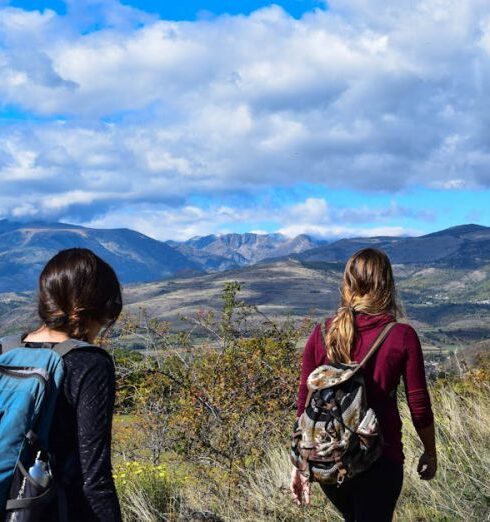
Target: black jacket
{"x":81,"y":437}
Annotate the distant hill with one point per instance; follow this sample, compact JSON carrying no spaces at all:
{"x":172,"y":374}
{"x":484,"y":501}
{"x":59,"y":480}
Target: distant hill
{"x":278,"y":288}
{"x":465,"y":246}
{"x":449,"y":306}
{"x":229,"y":251}
{"x":25,"y":248}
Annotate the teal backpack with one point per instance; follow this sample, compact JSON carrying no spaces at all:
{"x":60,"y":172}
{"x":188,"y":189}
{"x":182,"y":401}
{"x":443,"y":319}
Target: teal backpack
{"x":31,"y":380}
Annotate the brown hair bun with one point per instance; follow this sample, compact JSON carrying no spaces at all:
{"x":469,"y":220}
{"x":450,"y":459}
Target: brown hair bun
{"x":76,"y":287}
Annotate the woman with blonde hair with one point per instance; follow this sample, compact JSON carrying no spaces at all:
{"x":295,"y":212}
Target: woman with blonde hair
{"x":368,"y":305}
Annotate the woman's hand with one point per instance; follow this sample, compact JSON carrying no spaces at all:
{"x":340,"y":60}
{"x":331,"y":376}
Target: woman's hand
{"x":427,"y":466}
{"x":299,"y":487}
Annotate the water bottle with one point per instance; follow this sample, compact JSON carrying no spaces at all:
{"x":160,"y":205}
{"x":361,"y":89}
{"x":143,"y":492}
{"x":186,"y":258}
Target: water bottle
{"x":40,"y":472}
{"x":41,"y":475}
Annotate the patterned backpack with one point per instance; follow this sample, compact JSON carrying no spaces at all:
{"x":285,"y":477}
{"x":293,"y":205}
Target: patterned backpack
{"x":338,"y":435}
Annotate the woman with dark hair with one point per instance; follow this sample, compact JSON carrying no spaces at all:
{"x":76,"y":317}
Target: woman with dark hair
{"x":368,"y":305}
{"x":79,"y":295}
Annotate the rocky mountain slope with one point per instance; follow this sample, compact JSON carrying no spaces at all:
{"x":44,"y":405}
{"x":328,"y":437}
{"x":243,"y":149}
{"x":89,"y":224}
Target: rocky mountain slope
{"x":228,"y":251}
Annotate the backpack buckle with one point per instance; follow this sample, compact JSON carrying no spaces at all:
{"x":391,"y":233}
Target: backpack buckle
{"x":341,"y":476}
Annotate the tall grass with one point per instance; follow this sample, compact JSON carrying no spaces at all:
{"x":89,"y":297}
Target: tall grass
{"x":460,"y":490}
{"x":147,"y":493}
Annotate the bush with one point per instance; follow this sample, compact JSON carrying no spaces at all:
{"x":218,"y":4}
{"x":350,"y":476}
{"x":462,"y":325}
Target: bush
{"x":220,"y":400}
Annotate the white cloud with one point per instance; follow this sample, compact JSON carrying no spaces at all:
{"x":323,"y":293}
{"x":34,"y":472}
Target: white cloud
{"x":311,"y":210}
{"x":450,"y":184}
{"x":365,"y":96}
{"x":335,"y":231}
{"x":178,"y":223}
{"x":313,"y":216}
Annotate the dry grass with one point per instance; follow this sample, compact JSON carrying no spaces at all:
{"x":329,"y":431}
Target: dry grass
{"x":460,"y":490}
{"x":265,"y":497}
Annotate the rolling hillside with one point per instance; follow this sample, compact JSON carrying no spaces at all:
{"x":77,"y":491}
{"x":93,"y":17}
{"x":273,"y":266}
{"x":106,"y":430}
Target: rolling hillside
{"x":25,"y":248}
{"x":444,"y":287}
{"x":465,"y":246}
{"x":446,"y":305}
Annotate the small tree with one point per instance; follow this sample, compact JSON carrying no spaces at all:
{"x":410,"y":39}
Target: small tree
{"x":226,"y":399}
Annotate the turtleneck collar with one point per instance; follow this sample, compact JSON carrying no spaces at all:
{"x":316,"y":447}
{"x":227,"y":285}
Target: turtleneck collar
{"x":367,"y":322}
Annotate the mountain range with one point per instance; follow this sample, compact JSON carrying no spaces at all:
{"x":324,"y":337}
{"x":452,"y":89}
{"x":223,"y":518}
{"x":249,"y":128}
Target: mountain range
{"x":229,"y":251}
{"x":25,"y":248}
{"x":443,"y":278}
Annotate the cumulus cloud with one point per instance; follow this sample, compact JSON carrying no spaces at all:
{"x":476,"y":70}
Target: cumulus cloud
{"x":135,"y":110}
{"x":177,"y":223}
{"x":316,"y":217}
{"x":313,"y":216}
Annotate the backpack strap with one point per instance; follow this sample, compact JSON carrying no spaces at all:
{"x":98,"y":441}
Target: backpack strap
{"x":67,"y":346}
{"x":377,"y":343}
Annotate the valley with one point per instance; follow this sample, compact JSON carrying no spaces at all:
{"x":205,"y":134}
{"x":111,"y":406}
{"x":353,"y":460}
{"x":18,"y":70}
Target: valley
{"x":447,"y":306}
{"x":443,"y":278}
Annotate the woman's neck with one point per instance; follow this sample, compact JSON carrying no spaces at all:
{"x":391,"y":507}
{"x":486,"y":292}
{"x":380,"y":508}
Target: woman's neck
{"x":46,"y":335}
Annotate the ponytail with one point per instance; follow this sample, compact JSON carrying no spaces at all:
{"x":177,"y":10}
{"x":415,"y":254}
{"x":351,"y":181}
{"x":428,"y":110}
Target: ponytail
{"x":340,"y":335}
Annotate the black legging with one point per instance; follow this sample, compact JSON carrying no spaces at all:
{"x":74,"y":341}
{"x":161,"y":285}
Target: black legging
{"x":370,"y":496}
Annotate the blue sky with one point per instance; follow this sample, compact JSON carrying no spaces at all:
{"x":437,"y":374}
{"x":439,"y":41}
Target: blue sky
{"x":189,"y":9}
{"x":188,"y":118}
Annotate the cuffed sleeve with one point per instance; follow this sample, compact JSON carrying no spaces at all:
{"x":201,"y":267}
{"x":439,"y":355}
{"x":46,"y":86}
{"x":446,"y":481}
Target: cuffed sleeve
{"x":418,"y":398}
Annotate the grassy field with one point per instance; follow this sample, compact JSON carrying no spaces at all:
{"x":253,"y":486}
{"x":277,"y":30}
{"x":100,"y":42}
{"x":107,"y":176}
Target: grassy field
{"x":174,"y":490}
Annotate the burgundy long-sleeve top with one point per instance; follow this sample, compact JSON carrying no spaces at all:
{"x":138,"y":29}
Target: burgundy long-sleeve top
{"x":400,"y":356}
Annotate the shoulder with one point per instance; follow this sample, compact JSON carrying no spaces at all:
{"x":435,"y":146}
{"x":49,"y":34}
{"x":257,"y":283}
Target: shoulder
{"x":405,"y":329}
{"x":89,"y":377}
{"x":407,"y":335}
{"x":93,"y":360}
{"x":323,"y":325}
{"x":315,"y":346}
